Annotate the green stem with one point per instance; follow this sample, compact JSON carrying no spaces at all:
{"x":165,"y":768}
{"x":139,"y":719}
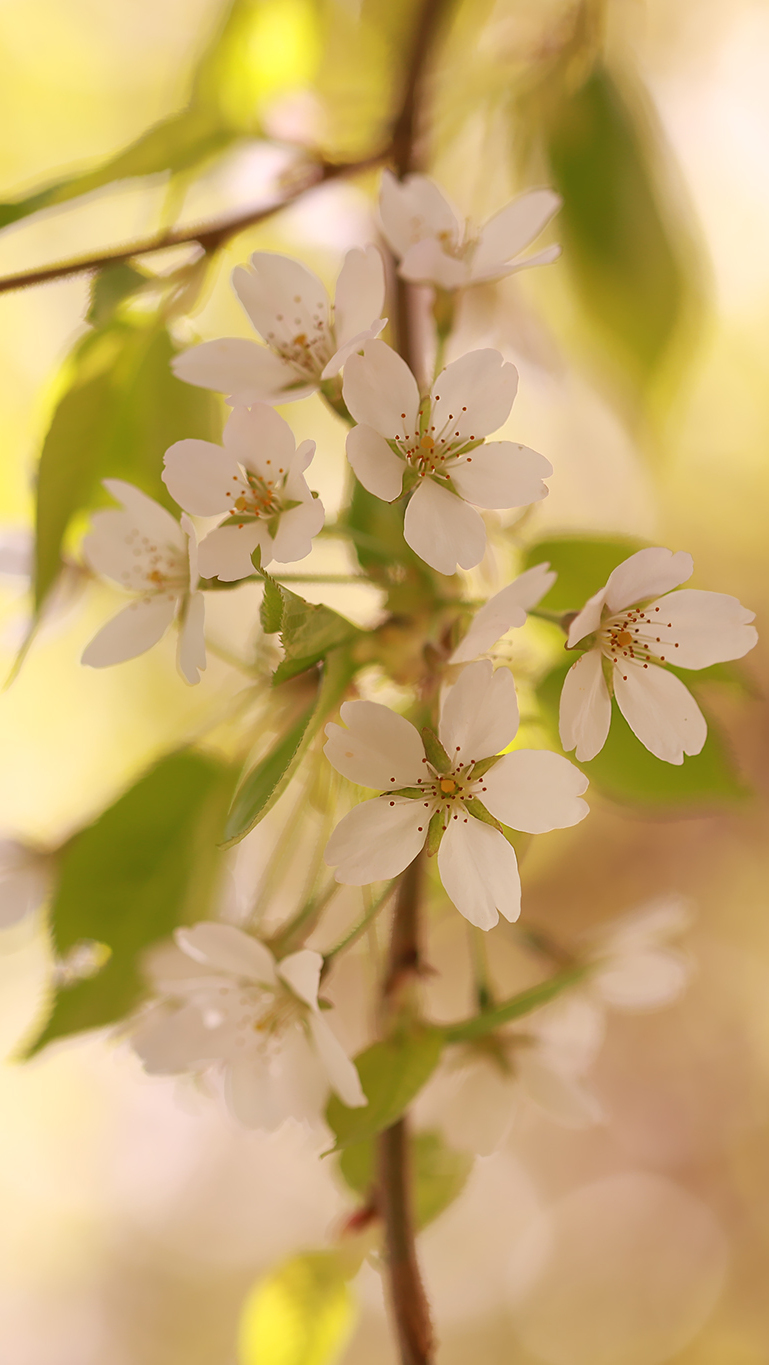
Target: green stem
{"x":360,"y":928}
{"x":489,"y":1020}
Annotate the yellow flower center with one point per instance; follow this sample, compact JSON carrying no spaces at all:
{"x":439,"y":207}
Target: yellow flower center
{"x":447,"y":784}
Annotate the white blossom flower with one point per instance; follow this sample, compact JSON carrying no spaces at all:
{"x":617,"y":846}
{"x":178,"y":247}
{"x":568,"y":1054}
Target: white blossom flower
{"x":479,"y":1090}
{"x":531,"y":790}
{"x":505,"y":611}
{"x":632,"y":633}
{"x":25,"y":879}
{"x":227,"y":1004}
{"x":438,"y":445}
{"x":291,"y":310}
{"x":436,"y":247}
{"x":633,"y":965}
{"x":146,"y":551}
{"x":258,"y":479}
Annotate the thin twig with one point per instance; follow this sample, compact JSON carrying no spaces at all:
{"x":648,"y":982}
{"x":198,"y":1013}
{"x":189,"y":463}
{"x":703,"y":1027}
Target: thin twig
{"x":407,"y":1295}
{"x":210,"y":236}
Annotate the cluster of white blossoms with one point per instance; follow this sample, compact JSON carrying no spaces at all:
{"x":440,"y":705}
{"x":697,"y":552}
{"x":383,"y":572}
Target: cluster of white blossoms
{"x":224,"y":1003}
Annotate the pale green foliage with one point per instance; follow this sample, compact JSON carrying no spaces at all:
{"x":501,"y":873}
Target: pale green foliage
{"x":301,"y":1314}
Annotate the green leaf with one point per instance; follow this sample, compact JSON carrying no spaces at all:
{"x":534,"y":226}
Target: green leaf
{"x":583,"y":564}
{"x":110,"y":287}
{"x":265,"y":783}
{"x":307,"y":631}
{"x":301,"y":1314}
{"x":626,"y":772}
{"x":532,"y":999}
{"x":376,"y":531}
{"x":438,"y":1173}
{"x":622,"y":240}
{"x":391,"y":1073}
{"x":146,"y":865}
{"x":121,"y":409}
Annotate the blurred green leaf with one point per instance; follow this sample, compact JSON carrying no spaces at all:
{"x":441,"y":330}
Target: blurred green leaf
{"x":121,"y":409}
{"x":301,"y":1314}
{"x":260,"y":48}
{"x":376,"y":531}
{"x":110,"y":287}
{"x":307,"y":631}
{"x":621,"y":236}
{"x":583,"y":564}
{"x":146,"y":865}
{"x":438,"y":1173}
{"x":266,"y":782}
{"x":626,"y":772}
{"x":391,"y":1073}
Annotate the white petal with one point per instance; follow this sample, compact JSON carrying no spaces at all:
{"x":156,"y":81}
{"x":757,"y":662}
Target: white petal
{"x":247,"y":372}
{"x":501,"y":474}
{"x":479,"y":872}
{"x":660,"y":711}
{"x":569,"y":1031}
{"x":199,"y":475}
{"x":642,"y":980}
{"x":544,"y":257}
{"x":296,"y":528}
{"x":443,"y":529}
{"x":152,"y":519}
{"x":475,"y":1105}
{"x":380,"y":391}
{"x":412,"y":209}
{"x":535,"y":790}
{"x":504,"y":611}
{"x":191,"y":651}
{"x":377,"y":840}
{"x":260,"y":439}
{"x":342,"y":1073}
{"x":356,"y":343}
{"x":374,"y":464}
{"x":585,"y":711}
{"x":647,"y":573}
{"x":254,"y":1097}
{"x":17,"y":552}
{"x":561,"y":1097}
{"x":25,"y":878}
{"x":229,"y":950}
{"x":225,"y":553}
{"x":302,"y":971}
{"x":587,"y":620}
{"x":282,"y":297}
{"x":479,"y":715}
{"x":664,"y":918}
{"x":133,"y":631}
{"x":473,"y":395}
{"x":378,"y":749}
{"x":513,"y":229}
{"x":427,"y":263}
{"x":360,"y":292}
{"x":172,"y":1041}
{"x":702,"y":628}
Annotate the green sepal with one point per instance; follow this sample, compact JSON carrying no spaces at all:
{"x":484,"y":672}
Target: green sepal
{"x":413,"y":793}
{"x":480,"y":769}
{"x":475,"y":807}
{"x":435,"y":832}
{"x":436,"y":754}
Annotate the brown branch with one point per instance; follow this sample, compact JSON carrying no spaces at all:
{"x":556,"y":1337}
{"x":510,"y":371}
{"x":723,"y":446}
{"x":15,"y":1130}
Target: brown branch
{"x":210,"y":236}
{"x":407,"y":1296}
{"x":404,"y":959}
{"x":404,"y":135}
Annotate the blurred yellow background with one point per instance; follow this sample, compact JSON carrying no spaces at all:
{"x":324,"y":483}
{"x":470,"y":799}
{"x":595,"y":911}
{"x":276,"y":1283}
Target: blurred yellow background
{"x":135,"y":1216}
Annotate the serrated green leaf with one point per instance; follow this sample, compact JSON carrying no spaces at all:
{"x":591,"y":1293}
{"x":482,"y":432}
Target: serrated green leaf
{"x":438,"y":1173}
{"x":308,"y":632}
{"x":146,"y":865}
{"x":266,"y":782}
{"x":301,"y":1314}
{"x":626,"y":772}
{"x":391,"y":1074}
{"x":583,"y":564}
{"x":622,"y":244}
{"x":121,"y":409}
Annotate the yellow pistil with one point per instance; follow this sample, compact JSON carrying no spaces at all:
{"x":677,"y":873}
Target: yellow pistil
{"x":447,"y":784}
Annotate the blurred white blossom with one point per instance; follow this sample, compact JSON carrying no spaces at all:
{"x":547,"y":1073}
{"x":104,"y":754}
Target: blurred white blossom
{"x":435,"y":246}
{"x":258,"y":479}
{"x":438,"y":445}
{"x":531,"y":790}
{"x":226,"y":1003}
{"x":290,"y":309}
{"x":25,"y":879}
{"x":629,"y":632}
{"x":503,"y":612}
{"x":146,"y":551}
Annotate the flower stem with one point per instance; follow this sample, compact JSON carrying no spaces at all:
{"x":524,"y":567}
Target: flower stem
{"x":407,"y":1295}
